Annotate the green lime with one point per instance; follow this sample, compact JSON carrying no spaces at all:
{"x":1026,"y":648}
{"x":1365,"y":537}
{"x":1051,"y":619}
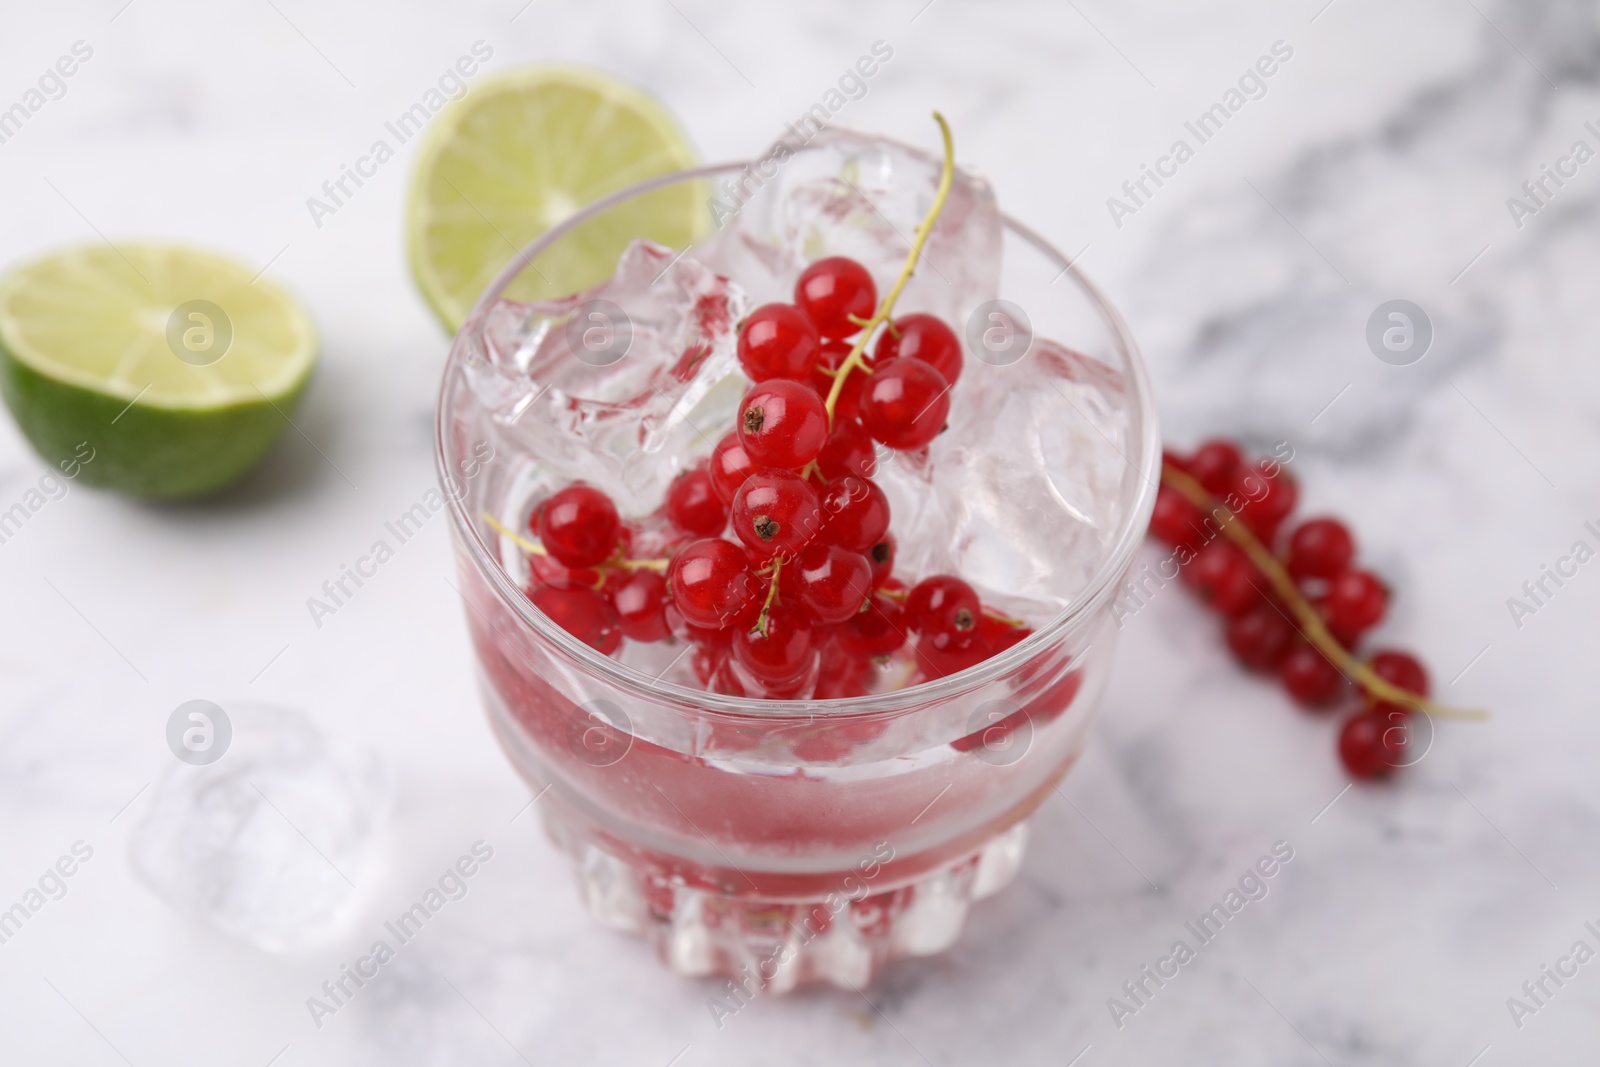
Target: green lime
{"x":174,"y":369}
{"x":524,"y":151}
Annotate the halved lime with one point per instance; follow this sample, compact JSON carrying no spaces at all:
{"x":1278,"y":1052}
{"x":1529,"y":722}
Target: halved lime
{"x":523,"y":152}
{"x":172,"y":369}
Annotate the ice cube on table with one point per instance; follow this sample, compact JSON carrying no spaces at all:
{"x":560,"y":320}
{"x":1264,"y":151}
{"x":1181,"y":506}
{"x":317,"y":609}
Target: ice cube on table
{"x":270,"y":843}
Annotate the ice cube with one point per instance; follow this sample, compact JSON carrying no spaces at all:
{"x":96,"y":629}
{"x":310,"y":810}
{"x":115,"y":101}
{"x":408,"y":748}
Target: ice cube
{"x":608,"y":386}
{"x":1021,"y":494}
{"x":269,"y":843}
{"x":1013,"y":495}
{"x":851,"y":194}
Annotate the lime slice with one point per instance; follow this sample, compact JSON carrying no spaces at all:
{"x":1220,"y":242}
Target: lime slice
{"x":174,"y":369}
{"x":521,"y":153}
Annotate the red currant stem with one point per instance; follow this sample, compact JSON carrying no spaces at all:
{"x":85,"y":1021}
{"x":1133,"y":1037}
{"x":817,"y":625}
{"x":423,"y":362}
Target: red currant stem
{"x":855,"y":359}
{"x":1310,"y":622}
{"x":533,"y":548}
{"x":530,"y":547}
{"x":772,"y":596}
{"x":899,"y":596}
{"x":1000,"y":616}
{"x":637,"y":564}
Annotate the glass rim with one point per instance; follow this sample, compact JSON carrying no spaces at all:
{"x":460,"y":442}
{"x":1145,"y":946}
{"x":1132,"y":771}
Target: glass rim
{"x":1100,"y":587}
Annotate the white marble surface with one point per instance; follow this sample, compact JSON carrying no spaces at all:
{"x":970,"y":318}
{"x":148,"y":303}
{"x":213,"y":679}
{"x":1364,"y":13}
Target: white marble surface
{"x":1380,"y":160}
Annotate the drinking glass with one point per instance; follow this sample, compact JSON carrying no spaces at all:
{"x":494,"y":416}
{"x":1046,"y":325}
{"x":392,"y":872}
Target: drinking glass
{"x":784,"y":842}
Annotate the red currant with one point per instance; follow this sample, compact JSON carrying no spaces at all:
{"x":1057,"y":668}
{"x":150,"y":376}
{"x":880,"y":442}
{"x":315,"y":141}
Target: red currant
{"x":1266,"y":498}
{"x":693,"y":505}
{"x":834,"y":582}
{"x":777,"y":341}
{"x":905,"y":404}
{"x":730,"y":465}
{"x":1175,"y":521}
{"x":831,"y":291}
{"x":1401,"y":670}
{"x":782,"y":423}
{"x":780,"y":650}
{"x":712,"y":585}
{"x":944,"y":611}
{"x":923,"y":337}
{"x":998,"y":634}
{"x":877,"y":631}
{"x":842,"y":676}
{"x":579,"y":526}
{"x":547,"y":571}
{"x":848,"y":406}
{"x":855,"y":513}
{"x":941,"y":662}
{"x":1320,"y":548}
{"x":583,"y":613}
{"x":640,"y":600}
{"x":1309,"y":677}
{"x":1214,"y":465}
{"x":704,"y":636}
{"x":1224,"y":576}
{"x":1355,"y":601}
{"x":776,"y":513}
{"x":848,"y":451}
{"x":1261,"y":637}
{"x":1373,"y":742}
{"x":881,"y":556}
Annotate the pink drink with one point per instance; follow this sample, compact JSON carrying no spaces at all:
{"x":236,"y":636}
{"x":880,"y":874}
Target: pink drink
{"x":780,"y":842}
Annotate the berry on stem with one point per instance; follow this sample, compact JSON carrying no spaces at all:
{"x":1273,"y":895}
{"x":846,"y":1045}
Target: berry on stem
{"x":712,"y":585}
{"x":1225,"y":578}
{"x":881,"y":555}
{"x":693,"y":504}
{"x":1309,"y":677}
{"x":640,"y":601}
{"x":833,"y":292}
{"x":729,"y":466}
{"x":848,"y":451}
{"x":583,"y":613}
{"x":905,"y":404}
{"x":579,"y":526}
{"x":1268,"y":494}
{"x":1355,"y":601}
{"x":925,"y":337}
{"x":777,"y":341}
{"x":1399,"y":669}
{"x":855,"y":513}
{"x":780,"y":649}
{"x":776,"y":513}
{"x":1261,"y":637}
{"x":1214,"y":465}
{"x":847,"y":408}
{"x":1373,"y":743}
{"x":944,"y":611}
{"x":834,"y":582}
{"x":877,"y":630}
{"x":782,"y":423}
{"x":1320,"y":548}
{"x":1175,"y":521}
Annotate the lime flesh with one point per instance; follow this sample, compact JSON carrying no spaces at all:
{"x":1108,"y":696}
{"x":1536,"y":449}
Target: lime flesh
{"x":525,"y":151}
{"x":173,"y":369}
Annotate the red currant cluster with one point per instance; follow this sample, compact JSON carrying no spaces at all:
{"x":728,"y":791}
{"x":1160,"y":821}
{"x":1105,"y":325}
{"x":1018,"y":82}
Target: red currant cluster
{"x":1317,"y":573}
{"x":777,"y":561}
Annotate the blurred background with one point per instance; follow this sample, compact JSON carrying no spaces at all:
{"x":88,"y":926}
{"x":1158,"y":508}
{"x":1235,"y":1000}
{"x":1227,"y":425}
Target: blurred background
{"x":1375,"y":164}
